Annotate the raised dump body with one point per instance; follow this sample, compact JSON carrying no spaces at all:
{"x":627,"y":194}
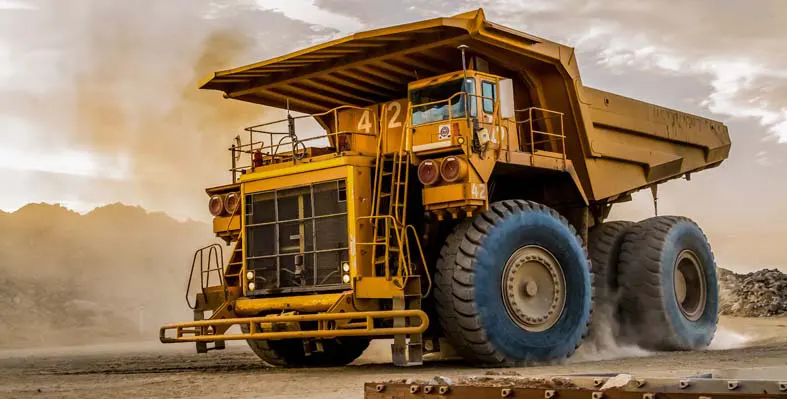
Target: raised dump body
{"x":458,"y":181}
{"x":617,"y":145}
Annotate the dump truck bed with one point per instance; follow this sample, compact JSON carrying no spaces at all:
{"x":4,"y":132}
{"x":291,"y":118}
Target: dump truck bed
{"x":617,"y":145}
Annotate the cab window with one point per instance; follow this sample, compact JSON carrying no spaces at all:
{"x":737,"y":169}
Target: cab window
{"x":488,"y":92}
{"x":441,"y":101}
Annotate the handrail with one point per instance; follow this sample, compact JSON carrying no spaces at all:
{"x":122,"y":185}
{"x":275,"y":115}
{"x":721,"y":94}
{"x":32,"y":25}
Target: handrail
{"x":549,"y":116}
{"x":215,"y":251}
{"x":410,"y":227}
{"x":333,"y":110}
{"x":278,"y":140}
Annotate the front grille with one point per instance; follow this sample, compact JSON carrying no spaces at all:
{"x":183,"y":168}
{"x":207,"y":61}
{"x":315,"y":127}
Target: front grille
{"x":281,"y":224}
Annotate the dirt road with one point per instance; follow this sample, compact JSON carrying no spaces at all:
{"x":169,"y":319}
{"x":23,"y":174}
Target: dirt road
{"x":173,"y":371}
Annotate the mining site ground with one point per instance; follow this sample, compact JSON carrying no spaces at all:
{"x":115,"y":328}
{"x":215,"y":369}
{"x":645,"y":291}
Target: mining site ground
{"x":744,"y":347}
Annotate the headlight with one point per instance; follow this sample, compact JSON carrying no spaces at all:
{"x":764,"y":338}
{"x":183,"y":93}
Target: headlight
{"x":252,"y":286}
{"x":231,"y":202}
{"x":250,"y":275}
{"x":345,"y":267}
{"x":216,"y":205}
{"x":346,"y":278}
{"x":453,"y":169}
{"x":429,"y":172}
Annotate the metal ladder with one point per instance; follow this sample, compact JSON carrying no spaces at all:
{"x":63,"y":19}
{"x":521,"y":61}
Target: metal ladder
{"x":232,"y":277}
{"x":390,"y":199}
{"x":391,"y":249}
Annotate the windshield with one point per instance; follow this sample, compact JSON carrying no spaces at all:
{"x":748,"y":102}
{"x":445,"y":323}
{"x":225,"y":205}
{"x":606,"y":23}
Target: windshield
{"x":440,"y":111}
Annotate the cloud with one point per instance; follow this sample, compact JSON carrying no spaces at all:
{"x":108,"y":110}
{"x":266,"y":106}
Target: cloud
{"x":734,"y":46}
{"x":108,"y":89}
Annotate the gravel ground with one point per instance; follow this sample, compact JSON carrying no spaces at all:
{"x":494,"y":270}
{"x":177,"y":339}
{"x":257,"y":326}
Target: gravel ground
{"x":150,"y":370}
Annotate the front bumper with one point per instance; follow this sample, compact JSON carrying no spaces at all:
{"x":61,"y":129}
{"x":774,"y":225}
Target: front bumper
{"x":330,"y":325}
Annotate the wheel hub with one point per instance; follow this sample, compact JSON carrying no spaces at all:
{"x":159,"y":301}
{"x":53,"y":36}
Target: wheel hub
{"x":690,"y":285}
{"x":534,"y":288}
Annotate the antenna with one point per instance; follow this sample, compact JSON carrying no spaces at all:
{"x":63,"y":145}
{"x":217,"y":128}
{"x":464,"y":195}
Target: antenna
{"x":462,"y":48}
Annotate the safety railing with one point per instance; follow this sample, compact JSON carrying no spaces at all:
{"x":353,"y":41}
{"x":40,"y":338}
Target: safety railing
{"x":534,"y":135}
{"x":205,"y":330}
{"x":211,"y":262}
{"x":267,"y":146}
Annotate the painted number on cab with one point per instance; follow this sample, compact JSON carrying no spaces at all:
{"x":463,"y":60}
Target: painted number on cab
{"x":478,"y":191}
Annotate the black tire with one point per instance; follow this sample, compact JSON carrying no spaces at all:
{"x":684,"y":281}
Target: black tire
{"x":291,"y":352}
{"x":604,"y":243}
{"x":652,"y":252}
{"x":468,"y":290}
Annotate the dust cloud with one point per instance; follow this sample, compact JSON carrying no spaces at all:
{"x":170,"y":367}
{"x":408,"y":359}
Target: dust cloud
{"x":605,"y":341}
{"x":112,"y":275}
{"x":124,"y":90}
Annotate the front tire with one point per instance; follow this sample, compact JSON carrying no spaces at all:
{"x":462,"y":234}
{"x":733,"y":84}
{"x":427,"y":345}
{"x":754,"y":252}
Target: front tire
{"x":670,"y":295}
{"x":291,"y":352}
{"x":514,"y":286}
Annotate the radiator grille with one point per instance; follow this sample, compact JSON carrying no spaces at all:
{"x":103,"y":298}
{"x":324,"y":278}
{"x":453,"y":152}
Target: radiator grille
{"x":281,"y":224}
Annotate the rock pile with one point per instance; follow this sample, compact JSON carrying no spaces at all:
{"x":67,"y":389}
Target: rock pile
{"x":758,"y":294}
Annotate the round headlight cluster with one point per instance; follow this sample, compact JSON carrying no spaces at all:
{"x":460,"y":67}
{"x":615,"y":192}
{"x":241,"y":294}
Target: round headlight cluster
{"x":429,"y":172}
{"x":231,"y":202}
{"x":216,"y":205}
{"x":451,"y":169}
{"x":224,"y":204}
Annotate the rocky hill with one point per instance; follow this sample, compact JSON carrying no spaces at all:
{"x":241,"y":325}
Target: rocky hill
{"x":758,"y":294}
{"x":115,"y":273}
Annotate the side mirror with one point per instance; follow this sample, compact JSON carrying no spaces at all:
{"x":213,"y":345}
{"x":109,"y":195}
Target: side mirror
{"x":506,"y":96}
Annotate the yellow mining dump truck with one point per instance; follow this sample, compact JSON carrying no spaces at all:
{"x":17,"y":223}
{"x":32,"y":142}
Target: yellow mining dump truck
{"x":455,"y":197}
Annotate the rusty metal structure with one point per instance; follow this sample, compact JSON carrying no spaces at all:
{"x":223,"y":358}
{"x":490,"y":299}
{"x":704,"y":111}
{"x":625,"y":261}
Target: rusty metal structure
{"x":454,"y":193}
{"x":620,"y":386}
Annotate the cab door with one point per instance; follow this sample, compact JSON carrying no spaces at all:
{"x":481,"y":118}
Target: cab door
{"x":488,"y":102}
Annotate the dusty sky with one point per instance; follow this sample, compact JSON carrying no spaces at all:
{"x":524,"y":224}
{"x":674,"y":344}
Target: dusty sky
{"x":98,"y":101}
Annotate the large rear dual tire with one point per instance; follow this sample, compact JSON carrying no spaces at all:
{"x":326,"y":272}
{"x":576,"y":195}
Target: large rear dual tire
{"x":668,"y":284}
{"x":662,"y":271}
{"x":513,"y":286}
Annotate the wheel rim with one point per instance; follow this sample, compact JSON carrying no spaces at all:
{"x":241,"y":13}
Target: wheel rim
{"x":690,"y":285}
{"x":534,"y":288}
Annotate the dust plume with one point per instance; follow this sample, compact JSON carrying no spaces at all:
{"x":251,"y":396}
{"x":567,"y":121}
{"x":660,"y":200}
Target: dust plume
{"x":124,"y":89}
{"x":605,"y":341}
{"x":112,"y":275}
